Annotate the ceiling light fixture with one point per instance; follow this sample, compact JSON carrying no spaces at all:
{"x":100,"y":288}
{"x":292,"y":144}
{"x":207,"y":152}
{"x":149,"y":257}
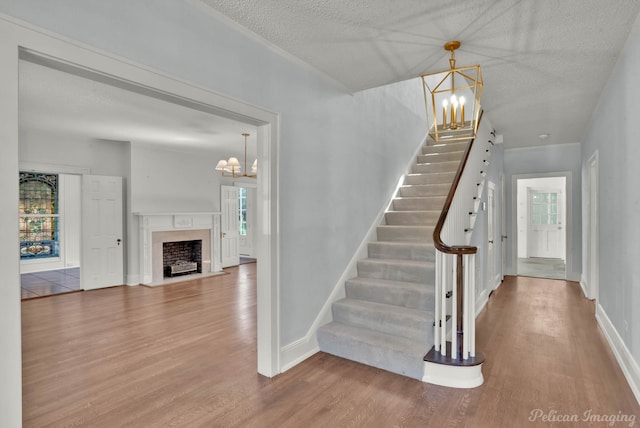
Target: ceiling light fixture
{"x":447,"y":94}
{"x":232,"y":166}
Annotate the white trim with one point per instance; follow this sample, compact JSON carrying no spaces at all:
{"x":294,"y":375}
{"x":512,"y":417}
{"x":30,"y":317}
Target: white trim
{"x":481,"y":301}
{"x":626,"y":361}
{"x":453,"y":376}
{"x":592,"y":225}
{"x":584,"y":285}
{"x":20,"y":39}
{"x":53,"y":168}
{"x":569,"y":274}
{"x":301,"y":349}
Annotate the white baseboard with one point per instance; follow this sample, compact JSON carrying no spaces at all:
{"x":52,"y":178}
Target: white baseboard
{"x":627,"y":363}
{"x":481,"y":301}
{"x":299,"y":350}
{"x":133,"y":279}
{"x":583,"y":286}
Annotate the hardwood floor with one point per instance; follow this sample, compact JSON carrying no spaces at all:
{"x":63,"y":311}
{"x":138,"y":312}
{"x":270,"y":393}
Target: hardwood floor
{"x":183,"y":355}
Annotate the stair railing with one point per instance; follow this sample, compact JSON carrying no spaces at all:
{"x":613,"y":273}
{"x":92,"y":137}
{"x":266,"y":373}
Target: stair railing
{"x":456,"y":259}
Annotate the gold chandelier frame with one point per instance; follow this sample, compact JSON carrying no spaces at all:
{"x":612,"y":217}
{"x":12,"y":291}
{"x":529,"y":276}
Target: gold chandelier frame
{"x":446,"y":94}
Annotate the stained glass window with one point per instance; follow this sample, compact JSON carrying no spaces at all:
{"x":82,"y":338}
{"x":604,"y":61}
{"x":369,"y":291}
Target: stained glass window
{"x":38,"y":215}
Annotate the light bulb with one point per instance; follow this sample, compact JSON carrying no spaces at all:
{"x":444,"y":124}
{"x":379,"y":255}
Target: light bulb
{"x":462,"y":101}
{"x":445,"y":103}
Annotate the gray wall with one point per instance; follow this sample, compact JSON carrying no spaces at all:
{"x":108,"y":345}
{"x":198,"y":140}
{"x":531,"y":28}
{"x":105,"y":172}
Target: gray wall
{"x":541,"y":160}
{"x":342,"y":153}
{"x":615,"y":134}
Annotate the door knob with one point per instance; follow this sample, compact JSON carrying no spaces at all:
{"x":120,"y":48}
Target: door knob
{"x":223,"y":234}
{"x":119,"y":241}
{"x":491,"y":241}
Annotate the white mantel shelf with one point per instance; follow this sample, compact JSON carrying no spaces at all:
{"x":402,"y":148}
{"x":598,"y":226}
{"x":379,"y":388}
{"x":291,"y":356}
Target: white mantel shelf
{"x":154,"y":227}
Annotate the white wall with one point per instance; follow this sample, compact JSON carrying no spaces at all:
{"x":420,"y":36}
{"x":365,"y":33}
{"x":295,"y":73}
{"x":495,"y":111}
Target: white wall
{"x":540,"y":160}
{"x":170,"y":181}
{"x":614,"y":132}
{"x":341,"y":153}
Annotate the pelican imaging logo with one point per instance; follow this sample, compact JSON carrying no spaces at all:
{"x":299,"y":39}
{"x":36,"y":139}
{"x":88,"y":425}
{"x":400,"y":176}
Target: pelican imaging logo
{"x":588,"y":416}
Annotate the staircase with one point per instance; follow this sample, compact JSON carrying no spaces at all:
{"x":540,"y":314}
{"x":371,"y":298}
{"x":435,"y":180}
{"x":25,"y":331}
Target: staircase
{"x":386,"y":319}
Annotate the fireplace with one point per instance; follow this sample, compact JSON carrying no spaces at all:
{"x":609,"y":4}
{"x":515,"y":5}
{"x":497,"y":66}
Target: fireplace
{"x":181,"y":258}
{"x":159,"y":231}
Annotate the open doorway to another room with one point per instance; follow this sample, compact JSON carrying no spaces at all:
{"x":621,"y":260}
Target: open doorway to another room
{"x":49,"y":233}
{"x":541,"y":227}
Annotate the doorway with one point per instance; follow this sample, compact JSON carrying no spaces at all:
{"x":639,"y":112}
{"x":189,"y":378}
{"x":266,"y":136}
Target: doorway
{"x":69,"y":57}
{"x":541,"y":222}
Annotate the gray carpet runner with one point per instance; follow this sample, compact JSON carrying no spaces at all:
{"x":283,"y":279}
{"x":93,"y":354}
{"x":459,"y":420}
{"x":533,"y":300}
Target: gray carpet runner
{"x":386,"y":319}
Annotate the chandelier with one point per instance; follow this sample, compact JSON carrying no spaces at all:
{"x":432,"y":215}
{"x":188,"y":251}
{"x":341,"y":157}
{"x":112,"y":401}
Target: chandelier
{"x":452,"y":99}
{"x":232,"y":166}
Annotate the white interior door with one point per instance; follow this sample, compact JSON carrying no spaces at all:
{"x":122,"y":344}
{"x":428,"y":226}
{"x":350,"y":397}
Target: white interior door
{"x":545,"y":229}
{"x":102,"y":246}
{"x":229,"y":226}
{"x":491,"y":228}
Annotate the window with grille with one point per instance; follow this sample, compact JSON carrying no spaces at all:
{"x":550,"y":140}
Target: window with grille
{"x":242,"y":211}
{"x":39,"y":217}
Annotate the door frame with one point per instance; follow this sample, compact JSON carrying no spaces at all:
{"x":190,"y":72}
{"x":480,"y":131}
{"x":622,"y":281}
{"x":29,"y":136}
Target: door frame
{"x":20,"y":39}
{"x":493,"y":277}
{"x":568,"y":226}
{"x":593,"y":250}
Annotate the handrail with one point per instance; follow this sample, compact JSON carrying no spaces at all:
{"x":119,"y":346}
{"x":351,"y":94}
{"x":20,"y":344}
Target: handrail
{"x":437,"y":240}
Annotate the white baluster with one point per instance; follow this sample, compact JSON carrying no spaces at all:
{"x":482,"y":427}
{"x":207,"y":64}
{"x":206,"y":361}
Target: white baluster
{"x":438,"y":291}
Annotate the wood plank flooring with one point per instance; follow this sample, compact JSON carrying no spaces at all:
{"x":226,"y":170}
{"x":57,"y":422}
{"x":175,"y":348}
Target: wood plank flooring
{"x":183,"y":355}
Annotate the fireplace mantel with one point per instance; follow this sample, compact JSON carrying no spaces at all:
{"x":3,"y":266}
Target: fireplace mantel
{"x":157,"y":227}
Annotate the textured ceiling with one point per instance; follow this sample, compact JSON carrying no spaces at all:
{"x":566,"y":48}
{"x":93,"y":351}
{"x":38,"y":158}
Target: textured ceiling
{"x":544,"y":62}
{"x":57,"y":102}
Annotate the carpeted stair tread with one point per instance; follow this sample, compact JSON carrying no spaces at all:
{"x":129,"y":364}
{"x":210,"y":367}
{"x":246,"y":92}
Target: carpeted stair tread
{"x":409,"y":190}
{"x":392,"y":353}
{"x":440,"y":157}
{"x":396,"y":270}
{"x":444,"y":147}
{"x":405,"y":233}
{"x":417,"y":217}
{"x":389,"y":319}
{"x":402,"y":250}
{"x":400,"y":293}
{"x":427,"y":178}
{"x":423,"y":203}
